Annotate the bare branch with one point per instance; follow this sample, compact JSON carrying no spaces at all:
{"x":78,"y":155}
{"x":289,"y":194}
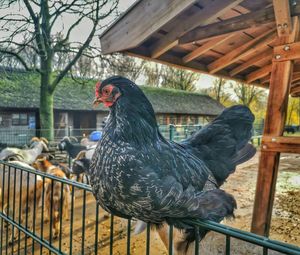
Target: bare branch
{"x":17,"y":56}
{"x":84,"y":46}
{"x":36,"y":28}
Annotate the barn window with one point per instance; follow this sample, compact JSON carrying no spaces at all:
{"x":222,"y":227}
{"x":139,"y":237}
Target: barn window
{"x":184,"y":120}
{"x":163,"y":120}
{"x":193,"y":120}
{"x":172,"y":119}
{"x":19,"y":119}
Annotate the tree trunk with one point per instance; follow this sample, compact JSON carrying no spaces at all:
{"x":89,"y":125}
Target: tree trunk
{"x":46,"y":108}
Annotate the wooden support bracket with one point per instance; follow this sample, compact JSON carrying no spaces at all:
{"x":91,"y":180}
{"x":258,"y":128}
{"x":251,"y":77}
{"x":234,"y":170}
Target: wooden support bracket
{"x":280,"y":144}
{"x":289,"y":51}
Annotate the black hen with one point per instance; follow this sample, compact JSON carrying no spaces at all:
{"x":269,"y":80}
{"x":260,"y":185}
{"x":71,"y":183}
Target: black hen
{"x":136,"y":172}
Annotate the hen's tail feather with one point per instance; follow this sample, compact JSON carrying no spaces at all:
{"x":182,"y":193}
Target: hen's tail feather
{"x":215,"y":206}
{"x":222,"y":144}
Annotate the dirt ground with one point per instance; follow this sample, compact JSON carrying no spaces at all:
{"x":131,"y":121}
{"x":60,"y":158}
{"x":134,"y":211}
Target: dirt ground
{"x":285,"y":222}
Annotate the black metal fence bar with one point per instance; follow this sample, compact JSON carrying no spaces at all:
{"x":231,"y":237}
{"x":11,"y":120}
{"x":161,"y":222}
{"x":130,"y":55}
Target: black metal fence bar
{"x":197,"y":241}
{"x":148,"y":239}
{"x":111,"y":235}
{"x":42,"y":242}
{"x":15,"y":175}
{"x":247,"y":236}
{"x":171,"y":240}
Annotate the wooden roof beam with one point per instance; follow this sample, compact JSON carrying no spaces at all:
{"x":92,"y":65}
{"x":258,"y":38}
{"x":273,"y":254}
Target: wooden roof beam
{"x":205,"y":48}
{"x":132,"y":28}
{"x":283,"y":17}
{"x":172,"y":60}
{"x":265,"y":79}
{"x":235,"y":24}
{"x":244,"y":50}
{"x":295,"y":90}
{"x":211,"y":11}
{"x":252,"y":61}
{"x":296,"y":77}
{"x":260,"y":73}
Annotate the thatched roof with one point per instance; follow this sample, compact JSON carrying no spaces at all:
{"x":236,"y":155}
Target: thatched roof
{"x":234,"y":39}
{"x":22,"y":91}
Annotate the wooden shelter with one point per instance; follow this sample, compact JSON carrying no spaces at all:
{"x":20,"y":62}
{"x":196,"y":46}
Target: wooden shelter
{"x":253,"y":41}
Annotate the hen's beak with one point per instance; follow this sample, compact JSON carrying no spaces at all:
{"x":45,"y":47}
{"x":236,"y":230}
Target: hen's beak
{"x":96,"y":102}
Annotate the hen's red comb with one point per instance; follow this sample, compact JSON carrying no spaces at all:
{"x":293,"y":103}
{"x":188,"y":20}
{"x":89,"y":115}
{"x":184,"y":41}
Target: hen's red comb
{"x":98,"y":84}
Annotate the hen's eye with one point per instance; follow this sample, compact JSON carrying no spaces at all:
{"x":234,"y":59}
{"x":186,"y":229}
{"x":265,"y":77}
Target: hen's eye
{"x":106,"y":92}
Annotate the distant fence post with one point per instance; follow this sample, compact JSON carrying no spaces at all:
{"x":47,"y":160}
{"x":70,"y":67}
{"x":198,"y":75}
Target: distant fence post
{"x":69,"y":131}
{"x":171,"y":131}
{"x":69,"y":134}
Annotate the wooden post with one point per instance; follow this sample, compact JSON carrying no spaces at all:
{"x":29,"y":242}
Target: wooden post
{"x":274,"y":125}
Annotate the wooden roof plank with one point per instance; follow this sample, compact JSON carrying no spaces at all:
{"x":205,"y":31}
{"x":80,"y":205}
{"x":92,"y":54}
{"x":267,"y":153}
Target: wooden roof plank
{"x":227,"y":26}
{"x":242,"y":51}
{"x":235,"y":24}
{"x":205,"y":47}
{"x":209,"y":13}
{"x":259,"y":73}
{"x":265,"y":79}
{"x":134,"y":26}
{"x":282,"y":17}
{"x":296,"y":77}
{"x":295,"y":90}
{"x":257,"y":58}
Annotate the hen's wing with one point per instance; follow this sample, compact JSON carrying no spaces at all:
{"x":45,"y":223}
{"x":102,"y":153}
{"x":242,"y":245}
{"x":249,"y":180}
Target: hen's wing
{"x":171,"y":159}
{"x":153,"y":198}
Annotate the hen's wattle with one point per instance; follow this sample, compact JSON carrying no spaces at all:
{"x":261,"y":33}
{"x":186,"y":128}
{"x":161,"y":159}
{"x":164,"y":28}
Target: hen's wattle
{"x":135,"y":172}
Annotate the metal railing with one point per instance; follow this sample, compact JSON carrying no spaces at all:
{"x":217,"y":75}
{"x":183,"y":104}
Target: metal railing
{"x":89,"y":230}
{"x":22,"y":136}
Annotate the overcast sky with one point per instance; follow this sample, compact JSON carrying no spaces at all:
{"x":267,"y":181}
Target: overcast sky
{"x":82,"y":31}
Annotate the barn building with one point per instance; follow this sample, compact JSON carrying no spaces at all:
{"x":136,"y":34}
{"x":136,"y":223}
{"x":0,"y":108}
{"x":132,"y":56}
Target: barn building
{"x":19,"y":106}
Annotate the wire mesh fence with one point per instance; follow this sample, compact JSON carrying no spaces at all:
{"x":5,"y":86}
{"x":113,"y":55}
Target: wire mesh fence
{"x":34,"y":221}
{"x":22,"y":136}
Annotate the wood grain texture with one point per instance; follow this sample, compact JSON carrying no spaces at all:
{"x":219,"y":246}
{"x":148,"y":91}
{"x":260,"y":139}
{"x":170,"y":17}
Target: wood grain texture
{"x":245,"y":49}
{"x":282,"y":17}
{"x":253,"y":61}
{"x":255,"y":75}
{"x":274,"y":125}
{"x":205,"y":47}
{"x":140,"y":22}
{"x":210,"y":11}
{"x":289,"y":51}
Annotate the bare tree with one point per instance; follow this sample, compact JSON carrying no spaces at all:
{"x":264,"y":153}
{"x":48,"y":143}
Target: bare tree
{"x":179,"y":79}
{"x":35,"y":26}
{"x":119,"y":64}
{"x":153,"y":73}
{"x":218,"y":91}
{"x":247,"y":94}
{"x":158,"y":75}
